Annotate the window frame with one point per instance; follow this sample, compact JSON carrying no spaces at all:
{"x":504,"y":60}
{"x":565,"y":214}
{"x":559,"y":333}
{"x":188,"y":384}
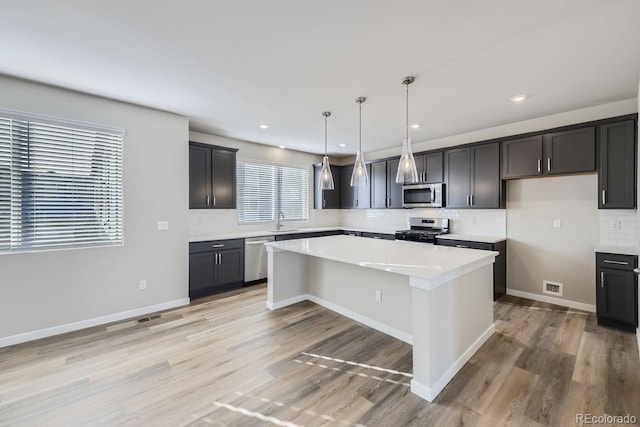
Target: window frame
{"x":277,"y":201}
{"x":64,"y":175}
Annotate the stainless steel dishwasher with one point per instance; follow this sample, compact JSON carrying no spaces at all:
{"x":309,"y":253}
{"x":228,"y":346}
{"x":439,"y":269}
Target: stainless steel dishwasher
{"x":255,"y":258}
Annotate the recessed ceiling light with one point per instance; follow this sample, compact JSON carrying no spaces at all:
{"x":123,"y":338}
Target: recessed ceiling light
{"x":415,"y":125}
{"x":342,"y":145}
{"x":518,"y":98}
{"x":282,"y":146}
{"x":263,"y":126}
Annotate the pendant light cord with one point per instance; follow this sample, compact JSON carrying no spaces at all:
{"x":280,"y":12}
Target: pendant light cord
{"x":407,"y":86}
{"x":360,"y":128}
{"x":325,"y":115}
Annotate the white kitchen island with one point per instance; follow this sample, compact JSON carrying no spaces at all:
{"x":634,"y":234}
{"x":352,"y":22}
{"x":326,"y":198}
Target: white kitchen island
{"x":437,"y":298}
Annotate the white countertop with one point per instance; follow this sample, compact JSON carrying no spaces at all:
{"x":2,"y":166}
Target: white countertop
{"x":414,"y":259}
{"x":472,"y":238}
{"x":622,"y":250}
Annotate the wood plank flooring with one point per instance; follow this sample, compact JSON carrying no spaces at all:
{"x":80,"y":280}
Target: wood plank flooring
{"x":227,"y":361}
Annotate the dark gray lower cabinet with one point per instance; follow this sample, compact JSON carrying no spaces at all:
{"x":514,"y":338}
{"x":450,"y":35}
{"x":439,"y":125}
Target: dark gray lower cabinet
{"x":499,"y":267}
{"x":215,"y":266}
{"x":617,"y":290}
{"x":383,"y":236}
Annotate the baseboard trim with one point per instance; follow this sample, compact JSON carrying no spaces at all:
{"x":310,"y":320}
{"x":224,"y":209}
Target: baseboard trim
{"x":553,"y":300}
{"x":96,"y":321}
{"x":396,"y":333}
{"x":286,"y":302}
{"x":421,"y":390}
{"x":442,"y":382}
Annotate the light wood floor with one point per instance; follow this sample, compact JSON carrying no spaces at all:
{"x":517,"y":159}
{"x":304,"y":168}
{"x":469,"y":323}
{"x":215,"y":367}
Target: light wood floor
{"x":230,"y":362}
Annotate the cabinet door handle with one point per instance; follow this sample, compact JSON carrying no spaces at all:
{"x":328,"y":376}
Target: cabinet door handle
{"x":539,"y":165}
{"x":602,"y":279}
{"x":324,"y":203}
{"x":604,"y":196}
{"x":608,"y":261}
{"x":471,"y":198}
{"x":462,"y":246}
{"x":468,"y":197}
{"x":214,"y":200}
{"x":636,"y":270}
{"x":217,"y":246}
{"x":208,"y":200}
{"x":549,"y":164}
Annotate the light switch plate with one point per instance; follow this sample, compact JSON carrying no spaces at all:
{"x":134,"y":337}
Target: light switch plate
{"x":163,"y":225}
{"x":557,"y":223}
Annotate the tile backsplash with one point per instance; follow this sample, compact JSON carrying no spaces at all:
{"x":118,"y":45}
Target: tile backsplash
{"x":478,"y":222}
{"x":618,"y":227}
{"x":222,"y":222}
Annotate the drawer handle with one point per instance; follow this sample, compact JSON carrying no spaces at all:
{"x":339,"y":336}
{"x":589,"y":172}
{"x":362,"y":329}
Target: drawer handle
{"x":616,"y":262}
{"x":217,"y":246}
{"x":462,"y":246}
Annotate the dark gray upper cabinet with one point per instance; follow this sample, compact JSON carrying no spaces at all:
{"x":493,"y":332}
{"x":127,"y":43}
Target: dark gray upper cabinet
{"x":617,"y":165}
{"x":458,"y":177}
{"x":212,"y":177}
{"x":570,"y":151}
{"x":199,"y":177}
{"x":326,"y":199}
{"x":472,"y":177}
{"x":378,"y":180}
{"x":353,"y":197}
{"x":429,"y":167}
{"x":394,"y":191}
{"x":522,"y":157}
{"x":385,"y":193}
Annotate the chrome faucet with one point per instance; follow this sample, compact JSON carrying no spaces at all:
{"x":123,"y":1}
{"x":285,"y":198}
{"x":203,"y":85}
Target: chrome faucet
{"x":278,"y":223}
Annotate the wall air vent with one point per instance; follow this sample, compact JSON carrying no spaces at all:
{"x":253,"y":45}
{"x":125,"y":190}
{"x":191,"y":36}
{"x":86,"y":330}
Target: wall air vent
{"x":553,"y":288}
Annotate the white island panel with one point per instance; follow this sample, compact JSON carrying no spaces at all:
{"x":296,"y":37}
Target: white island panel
{"x":438,"y":298}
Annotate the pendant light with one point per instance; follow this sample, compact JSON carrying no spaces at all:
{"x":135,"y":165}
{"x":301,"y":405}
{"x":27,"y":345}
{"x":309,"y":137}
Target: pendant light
{"x":359,"y":176}
{"x":407,"y":172}
{"x":326,"y":179}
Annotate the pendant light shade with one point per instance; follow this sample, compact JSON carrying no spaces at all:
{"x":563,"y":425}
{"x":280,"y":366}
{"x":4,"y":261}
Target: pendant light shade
{"x":360,"y":176}
{"x":407,"y":172}
{"x":326,"y":178}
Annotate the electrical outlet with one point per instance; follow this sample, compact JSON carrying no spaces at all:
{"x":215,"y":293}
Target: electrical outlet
{"x":379,"y":296}
{"x":614,"y":225}
{"x":163,"y":225}
{"x":557,"y":223}
{"x":143,"y":284}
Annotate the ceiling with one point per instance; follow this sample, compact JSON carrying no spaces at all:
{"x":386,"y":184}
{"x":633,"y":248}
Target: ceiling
{"x":232,"y":65}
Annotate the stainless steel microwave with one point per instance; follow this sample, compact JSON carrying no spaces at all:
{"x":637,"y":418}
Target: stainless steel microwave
{"x":422,"y":196}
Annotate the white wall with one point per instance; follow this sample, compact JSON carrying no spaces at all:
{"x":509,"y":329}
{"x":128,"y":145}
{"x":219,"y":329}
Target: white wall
{"x":49,"y":289}
{"x":209,"y":223}
{"x":537,"y":251}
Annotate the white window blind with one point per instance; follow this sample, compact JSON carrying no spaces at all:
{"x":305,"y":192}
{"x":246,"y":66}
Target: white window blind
{"x":60,"y":184}
{"x":264,"y":190}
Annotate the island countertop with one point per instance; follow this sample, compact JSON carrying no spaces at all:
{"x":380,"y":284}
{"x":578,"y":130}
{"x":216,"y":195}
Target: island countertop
{"x":432,"y":263}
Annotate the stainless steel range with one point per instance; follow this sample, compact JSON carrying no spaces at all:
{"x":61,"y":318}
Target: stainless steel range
{"x":424,"y":229}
